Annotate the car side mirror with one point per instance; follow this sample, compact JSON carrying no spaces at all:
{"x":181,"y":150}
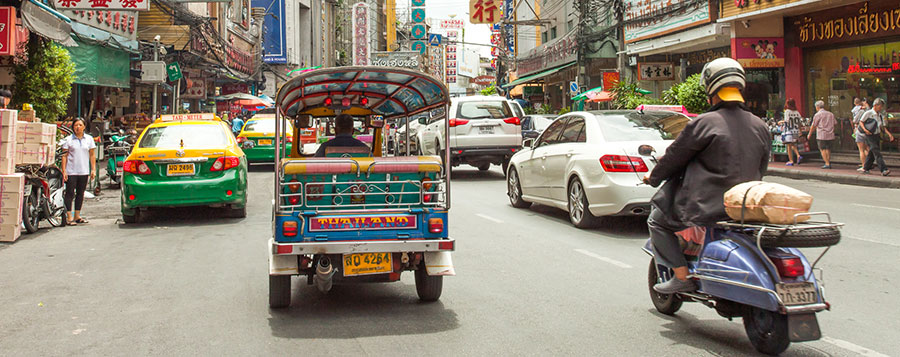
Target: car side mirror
{"x":528,"y":143}
{"x":532,"y":134}
{"x":303,"y":121}
{"x":423,"y":121}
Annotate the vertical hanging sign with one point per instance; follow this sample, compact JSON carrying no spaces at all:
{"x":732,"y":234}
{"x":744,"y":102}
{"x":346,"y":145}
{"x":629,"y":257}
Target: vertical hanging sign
{"x":7,"y":31}
{"x":418,"y":31}
{"x":360,"y":34}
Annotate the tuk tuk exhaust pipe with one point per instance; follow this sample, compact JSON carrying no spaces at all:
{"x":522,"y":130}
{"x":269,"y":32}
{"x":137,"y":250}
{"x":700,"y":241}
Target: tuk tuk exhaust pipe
{"x":324,"y":273}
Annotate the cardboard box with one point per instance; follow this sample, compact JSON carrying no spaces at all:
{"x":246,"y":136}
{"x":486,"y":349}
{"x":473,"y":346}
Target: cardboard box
{"x":48,"y":135}
{"x":7,"y":165}
{"x":8,"y":133}
{"x":8,"y":117}
{"x":31,"y":154}
{"x":51,"y":153}
{"x":10,"y":232}
{"x":7,"y":149}
{"x":35,"y":133}
{"x":26,"y":115}
{"x":11,"y":187}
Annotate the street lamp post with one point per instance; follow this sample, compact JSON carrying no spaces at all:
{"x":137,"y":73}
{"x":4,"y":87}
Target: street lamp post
{"x":155,"y":85}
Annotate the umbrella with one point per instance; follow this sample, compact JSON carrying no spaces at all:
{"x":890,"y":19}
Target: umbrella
{"x":251,"y":102}
{"x":234,"y":96}
{"x":601,"y":96}
{"x":584,"y":95}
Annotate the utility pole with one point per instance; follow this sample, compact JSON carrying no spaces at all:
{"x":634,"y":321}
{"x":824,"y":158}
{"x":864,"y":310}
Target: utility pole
{"x":155,"y":85}
{"x":619,"y":9}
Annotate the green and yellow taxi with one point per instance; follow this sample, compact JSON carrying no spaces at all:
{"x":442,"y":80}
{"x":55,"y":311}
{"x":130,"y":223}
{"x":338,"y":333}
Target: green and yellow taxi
{"x":185,"y":160}
{"x":257,"y":138}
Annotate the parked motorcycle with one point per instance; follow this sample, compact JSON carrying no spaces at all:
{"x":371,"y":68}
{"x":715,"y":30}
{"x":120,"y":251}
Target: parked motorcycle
{"x":44,"y":197}
{"x":117,"y":151}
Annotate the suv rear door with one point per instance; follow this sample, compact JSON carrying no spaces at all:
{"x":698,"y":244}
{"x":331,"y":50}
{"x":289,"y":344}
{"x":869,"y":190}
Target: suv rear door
{"x":486,"y":123}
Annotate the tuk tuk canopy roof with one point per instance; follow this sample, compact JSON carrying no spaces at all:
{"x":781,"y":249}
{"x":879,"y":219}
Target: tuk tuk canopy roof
{"x":391,"y":92}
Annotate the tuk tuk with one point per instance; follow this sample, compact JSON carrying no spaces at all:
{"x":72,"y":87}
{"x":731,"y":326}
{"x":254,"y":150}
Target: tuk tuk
{"x":358,"y":216}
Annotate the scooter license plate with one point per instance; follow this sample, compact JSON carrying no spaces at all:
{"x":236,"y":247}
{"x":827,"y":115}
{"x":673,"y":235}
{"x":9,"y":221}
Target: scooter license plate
{"x":797,"y":293}
{"x":367,"y":263}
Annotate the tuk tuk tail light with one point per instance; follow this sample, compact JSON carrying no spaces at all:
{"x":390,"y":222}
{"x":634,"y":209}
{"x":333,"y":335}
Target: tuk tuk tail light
{"x":294,"y":200}
{"x":435,"y":225}
{"x":136,"y":167}
{"x":289,"y":228}
{"x":294,"y":186}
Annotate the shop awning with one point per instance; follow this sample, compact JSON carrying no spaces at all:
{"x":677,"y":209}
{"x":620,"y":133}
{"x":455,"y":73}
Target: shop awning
{"x":100,"y":66}
{"x":536,"y":76}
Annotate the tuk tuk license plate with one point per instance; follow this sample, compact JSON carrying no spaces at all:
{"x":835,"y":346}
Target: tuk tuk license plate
{"x":796,"y":293}
{"x":367,"y":263}
{"x":180,"y":170}
{"x":265,"y":142}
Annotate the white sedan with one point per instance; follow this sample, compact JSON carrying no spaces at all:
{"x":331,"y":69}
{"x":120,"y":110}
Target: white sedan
{"x":588,"y":163}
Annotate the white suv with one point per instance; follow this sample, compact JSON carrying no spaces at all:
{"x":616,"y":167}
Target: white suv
{"x":483,"y":131}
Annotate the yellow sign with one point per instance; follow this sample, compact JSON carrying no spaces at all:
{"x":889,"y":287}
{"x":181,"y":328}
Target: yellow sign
{"x":738,"y":7}
{"x":180,"y":170}
{"x":182,"y":117}
{"x":367,"y":263}
{"x":850,"y":23}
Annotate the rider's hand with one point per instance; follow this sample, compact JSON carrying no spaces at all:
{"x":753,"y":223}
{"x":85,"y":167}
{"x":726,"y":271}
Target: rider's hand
{"x":646,"y":179}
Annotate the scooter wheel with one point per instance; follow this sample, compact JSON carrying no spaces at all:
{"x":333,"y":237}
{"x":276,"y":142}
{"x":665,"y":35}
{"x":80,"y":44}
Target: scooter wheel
{"x":665,"y":304}
{"x":767,"y":330}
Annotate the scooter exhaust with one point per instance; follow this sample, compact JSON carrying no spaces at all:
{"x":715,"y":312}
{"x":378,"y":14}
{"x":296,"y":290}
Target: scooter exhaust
{"x":324,"y":273}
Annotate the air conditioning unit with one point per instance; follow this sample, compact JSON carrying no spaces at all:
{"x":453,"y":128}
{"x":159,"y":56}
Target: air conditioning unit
{"x":153,"y":72}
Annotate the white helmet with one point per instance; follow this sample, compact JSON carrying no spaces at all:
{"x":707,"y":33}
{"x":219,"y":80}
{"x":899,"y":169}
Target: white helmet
{"x":722,"y":72}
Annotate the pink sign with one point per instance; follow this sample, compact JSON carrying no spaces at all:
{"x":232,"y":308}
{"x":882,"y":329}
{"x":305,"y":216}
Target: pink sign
{"x":758,"y":52}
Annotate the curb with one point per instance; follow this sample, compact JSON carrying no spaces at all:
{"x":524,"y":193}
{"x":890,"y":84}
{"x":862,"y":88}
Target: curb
{"x":857,"y":180}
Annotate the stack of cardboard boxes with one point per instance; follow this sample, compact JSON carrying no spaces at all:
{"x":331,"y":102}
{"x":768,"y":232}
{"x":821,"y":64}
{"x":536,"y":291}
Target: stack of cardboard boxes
{"x":11,"y":183}
{"x":35,"y":143}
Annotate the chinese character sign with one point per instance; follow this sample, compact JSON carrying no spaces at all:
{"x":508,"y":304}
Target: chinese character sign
{"x":7,"y":30}
{"x":656,"y":71}
{"x":360,"y":34}
{"x":451,"y":24}
{"x":133,"y":5}
{"x":484,"y":11}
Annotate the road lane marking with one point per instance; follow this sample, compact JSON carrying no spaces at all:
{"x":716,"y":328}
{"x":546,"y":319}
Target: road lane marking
{"x":878,"y":207}
{"x":852,"y":347}
{"x":874,"y":241}
{"x":605,"y":259}
{"x":489,"y":218}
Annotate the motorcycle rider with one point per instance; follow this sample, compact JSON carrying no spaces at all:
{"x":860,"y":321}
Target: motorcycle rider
{"x":721,"y":148}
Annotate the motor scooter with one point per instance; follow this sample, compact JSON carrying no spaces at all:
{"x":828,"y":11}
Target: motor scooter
{"x":116,"y":152}
{"x":755,"y":272}
{"x":44,"y":197}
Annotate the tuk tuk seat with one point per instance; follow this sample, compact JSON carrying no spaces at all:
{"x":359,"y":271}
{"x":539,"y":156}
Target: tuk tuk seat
{"x":348,"y":151}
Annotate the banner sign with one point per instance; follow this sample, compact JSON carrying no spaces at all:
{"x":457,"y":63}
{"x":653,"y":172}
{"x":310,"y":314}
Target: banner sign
{"x":360,"y":34}
{"x":451,"y":24}
{"x":133,"y":5}
{"x":656,"y":71}
{"x":7,"y":30}
{"x":653,"y":18}
{"x":484,"y":11}
{"x":853,"y":23}
{"x":403,"y":59}
{"x":122,"y":23}
{"x":610,"y":79}
{"x":274,"y":33}
{"x":758,"y":52}
{"x":327,"y":224}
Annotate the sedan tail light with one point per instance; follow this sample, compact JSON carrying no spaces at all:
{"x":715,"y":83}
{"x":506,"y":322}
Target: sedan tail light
{"x":622,"y":163}
{"x":513,"y":121}
{"x":456,"y":122}
{"x":136,"y":167}
{"x":241,"y":139}
{"x":225,"y":163}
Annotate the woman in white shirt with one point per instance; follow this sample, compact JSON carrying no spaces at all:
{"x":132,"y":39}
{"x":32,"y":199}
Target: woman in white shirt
{"x":790,"y":135}
{"x":78,"y":167}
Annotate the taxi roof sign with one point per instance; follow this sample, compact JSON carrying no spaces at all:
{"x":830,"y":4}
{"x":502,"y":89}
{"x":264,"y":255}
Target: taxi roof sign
{"x":183,"y":117}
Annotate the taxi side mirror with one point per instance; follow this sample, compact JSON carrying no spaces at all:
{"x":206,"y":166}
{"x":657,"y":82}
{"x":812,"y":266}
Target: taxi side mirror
{"x":528,"y":143}
{"x":423,"y":121}
{"x":303,"y":121}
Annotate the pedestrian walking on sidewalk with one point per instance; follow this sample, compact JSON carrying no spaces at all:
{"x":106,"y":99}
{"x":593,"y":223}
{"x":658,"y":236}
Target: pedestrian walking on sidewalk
{"x":872,"y":123}
{"x":78,"y":167}
{"x":790,"y":134}
{"x":823,"y":126}
{"x":860,"y":108}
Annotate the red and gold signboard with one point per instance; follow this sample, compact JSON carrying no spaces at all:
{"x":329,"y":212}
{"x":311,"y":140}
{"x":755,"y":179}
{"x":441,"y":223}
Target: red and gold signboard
{"x":853,"y":23}
{"x":332,"y":224}
{"x":610,"y":79}
{"x":7,"y":30}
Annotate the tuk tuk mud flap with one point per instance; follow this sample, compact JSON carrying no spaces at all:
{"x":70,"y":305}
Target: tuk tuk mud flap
{"x":804,"y":327}
{"x":282,"y":264}
{"x":439,"y":263}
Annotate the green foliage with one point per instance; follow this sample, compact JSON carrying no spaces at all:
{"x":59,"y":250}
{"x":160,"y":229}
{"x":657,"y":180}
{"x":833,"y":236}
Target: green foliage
{"x":44,"y":75}
{"x":563,"y":110}
{"x":545,"y":109}
{"x":489,"y":90}
{"x":627,"y":96}
{"x":529,"y":110}
{"x":690,"y":93}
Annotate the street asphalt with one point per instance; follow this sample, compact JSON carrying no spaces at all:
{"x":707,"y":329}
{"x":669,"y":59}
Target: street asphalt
{"x":528,"y":283}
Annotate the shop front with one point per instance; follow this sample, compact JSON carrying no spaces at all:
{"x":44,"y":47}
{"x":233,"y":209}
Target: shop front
{"x":851,"y":51}
{"x":763,"y":62}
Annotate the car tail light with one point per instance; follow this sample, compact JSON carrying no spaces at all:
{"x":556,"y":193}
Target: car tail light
{"x":225,"y":163}
{"x":285,"y":249}
{"x":622,"y":163}
{"x":456,"y":122}
{"x":136,"y":167}
{"x":513,"y":121}
{"x":241,"y":139}
{"x":289,"y":139}
{"x":289,"y":228}
{"x":435,"y":225}
{"x":789,"y":267}
{"x":120,"y":163}
{"x":445,"y":245}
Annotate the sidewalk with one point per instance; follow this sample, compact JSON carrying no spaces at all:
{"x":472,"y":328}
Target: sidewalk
{"x":844,"y":174}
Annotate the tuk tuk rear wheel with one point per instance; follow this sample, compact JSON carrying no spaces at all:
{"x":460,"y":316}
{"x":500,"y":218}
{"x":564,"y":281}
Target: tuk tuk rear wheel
{"x":279,"y":291}
{"x":767,"y":330}
{"x":428,"y":287}
{"x":665,"y":304}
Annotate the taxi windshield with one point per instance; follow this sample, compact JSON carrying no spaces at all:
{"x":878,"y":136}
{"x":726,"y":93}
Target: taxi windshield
{"x":263,"y":125}
{"x":193,"y":136}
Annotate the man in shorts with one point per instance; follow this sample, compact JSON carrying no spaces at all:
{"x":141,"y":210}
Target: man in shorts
{"x":823,"y":125}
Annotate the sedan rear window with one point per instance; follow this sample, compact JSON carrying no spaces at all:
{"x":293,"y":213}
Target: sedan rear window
{"x":187,"y":136}
{"x":638,"y":127}
{"x":484,"y":110}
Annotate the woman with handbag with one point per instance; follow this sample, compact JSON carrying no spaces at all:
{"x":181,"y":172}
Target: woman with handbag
{"x":872,"y":124}
{"x":790,"y":133}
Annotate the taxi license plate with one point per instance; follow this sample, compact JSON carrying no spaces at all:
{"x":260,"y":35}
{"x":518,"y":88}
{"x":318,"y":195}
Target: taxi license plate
{"x":486,"y":129}
{"x":367,"y":263}
{"x":265,"y":142}
{"x":180,"y":170}
{"x":796,"y":293}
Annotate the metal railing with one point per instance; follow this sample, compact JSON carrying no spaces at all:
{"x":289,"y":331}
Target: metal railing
{"x":346,"y":192}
